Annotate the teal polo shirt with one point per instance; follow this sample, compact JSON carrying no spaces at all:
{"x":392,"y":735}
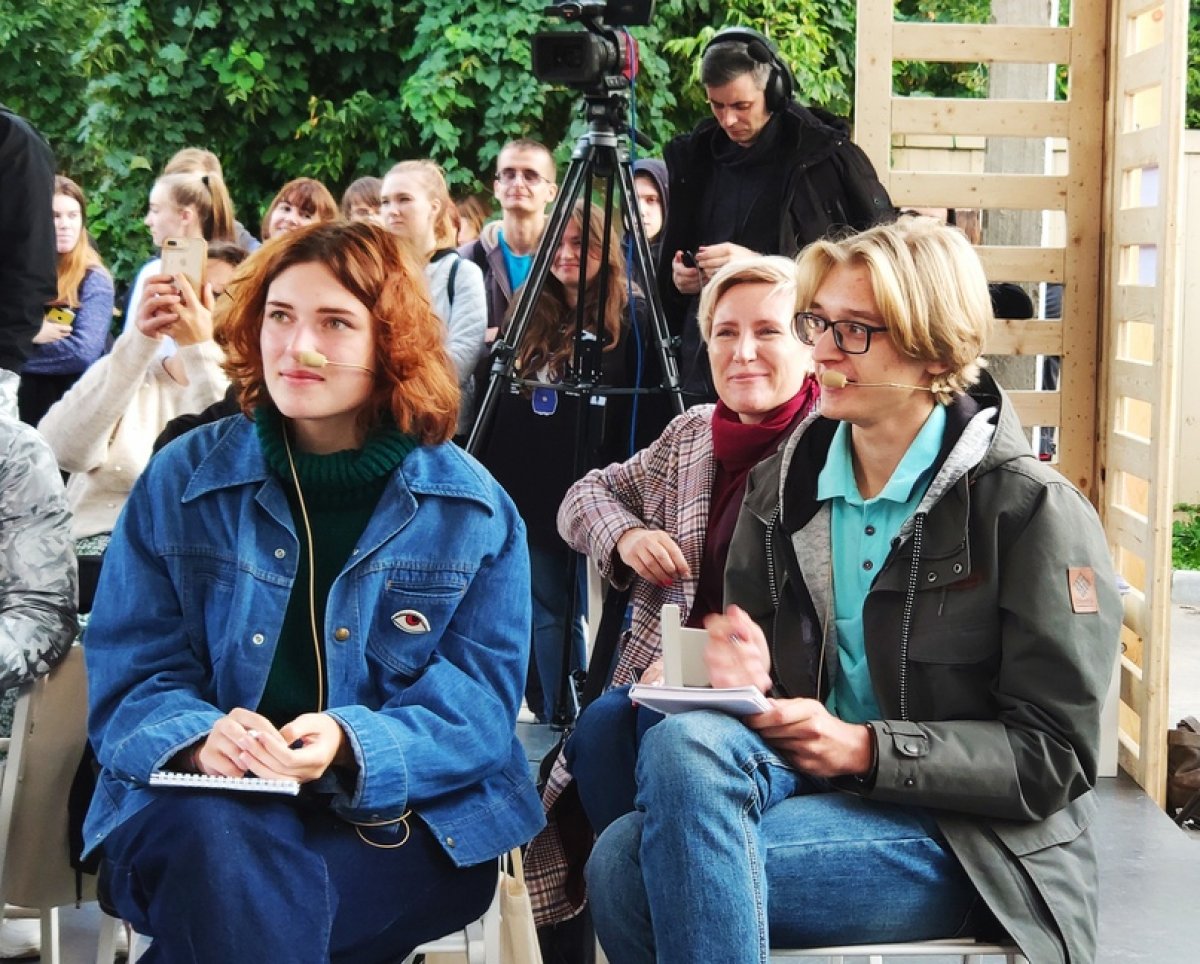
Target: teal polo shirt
{"x":518,"y":266}
{"x":861,"y":533}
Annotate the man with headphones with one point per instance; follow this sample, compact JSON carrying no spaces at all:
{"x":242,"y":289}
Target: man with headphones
{"x":762,"y":175}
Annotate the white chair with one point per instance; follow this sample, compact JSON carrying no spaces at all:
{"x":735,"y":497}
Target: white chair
{"x":49,"y":732}
{"x":967,"y":951}
{"x":477,"y":943}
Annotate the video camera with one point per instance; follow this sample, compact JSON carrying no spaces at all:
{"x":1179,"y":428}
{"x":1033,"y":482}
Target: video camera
{"x":598,"y":59}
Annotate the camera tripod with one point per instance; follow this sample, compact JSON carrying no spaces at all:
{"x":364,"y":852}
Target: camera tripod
{"x":598,"y":154}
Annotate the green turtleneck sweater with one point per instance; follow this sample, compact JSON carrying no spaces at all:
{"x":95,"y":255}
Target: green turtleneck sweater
{"x":340,"y":491}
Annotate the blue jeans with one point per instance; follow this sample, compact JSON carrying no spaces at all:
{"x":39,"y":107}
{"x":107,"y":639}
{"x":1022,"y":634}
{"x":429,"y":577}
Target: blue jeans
{"x":548,"y":568}
{"x":731,"y":851}
{"x":242,"y":878}
{"x":602,"y":753}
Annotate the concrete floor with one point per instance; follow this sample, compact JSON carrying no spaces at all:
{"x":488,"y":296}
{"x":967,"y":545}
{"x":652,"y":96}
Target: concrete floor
{"x":80,"y":926}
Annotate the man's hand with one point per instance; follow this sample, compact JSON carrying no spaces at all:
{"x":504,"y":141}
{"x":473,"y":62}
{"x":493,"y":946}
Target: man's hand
{"x":688,"y":280}
{"x":711,"y":258}
{"x":736,"y":653}
{"x":653,"y":555}
{"x":813,"y":740}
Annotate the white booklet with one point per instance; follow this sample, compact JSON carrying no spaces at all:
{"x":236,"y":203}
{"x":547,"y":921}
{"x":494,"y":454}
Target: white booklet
{"x":734,"y":700}
{"x":205,"y":781}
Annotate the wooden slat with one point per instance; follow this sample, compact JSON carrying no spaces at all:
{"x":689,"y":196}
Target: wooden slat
{"x":977,"y":118}
{"x":873,"y":86}
{"x":1141,"y":226}
{"x":1127,"y":453}
{"x":1024,"y":192}
{"x":980,"y":43}
{"x":1137,"y":149}
{"x":1022,"y":263}
{"x":1140,"y":71}
{"x":1037,"y":408}
{"x":1021,"y":337}
{"x":1132,"y":379}
{"x":1133,"y":688}
{"x":1133,"y":303}
{"x":1127,"y":529}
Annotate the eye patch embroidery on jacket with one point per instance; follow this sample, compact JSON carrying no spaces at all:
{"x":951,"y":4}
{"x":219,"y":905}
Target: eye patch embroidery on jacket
{"x":410,"y":621}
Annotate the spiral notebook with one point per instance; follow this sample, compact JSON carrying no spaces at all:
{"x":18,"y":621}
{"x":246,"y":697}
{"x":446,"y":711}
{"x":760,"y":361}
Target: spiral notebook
{"x":204,"y":781}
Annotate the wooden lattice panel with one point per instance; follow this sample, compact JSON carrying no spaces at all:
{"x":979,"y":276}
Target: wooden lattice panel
{"x":1074,"y":195}
{"x":1140,"y":388}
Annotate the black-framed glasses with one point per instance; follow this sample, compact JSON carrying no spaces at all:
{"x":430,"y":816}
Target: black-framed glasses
{"x":852,"y":337}
{"x":531,"y":177}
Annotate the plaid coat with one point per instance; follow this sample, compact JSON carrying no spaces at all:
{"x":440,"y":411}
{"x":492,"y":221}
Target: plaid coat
{"x":667,"y":486}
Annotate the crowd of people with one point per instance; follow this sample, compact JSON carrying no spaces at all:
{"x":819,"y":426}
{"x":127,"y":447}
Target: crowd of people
{"x":289,"y":566}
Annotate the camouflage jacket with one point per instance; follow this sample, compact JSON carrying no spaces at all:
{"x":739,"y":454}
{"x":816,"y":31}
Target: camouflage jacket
{"x":38,"y":573}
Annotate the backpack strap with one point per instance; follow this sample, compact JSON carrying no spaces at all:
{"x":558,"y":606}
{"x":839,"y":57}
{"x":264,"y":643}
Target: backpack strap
{"x":450,"y":281}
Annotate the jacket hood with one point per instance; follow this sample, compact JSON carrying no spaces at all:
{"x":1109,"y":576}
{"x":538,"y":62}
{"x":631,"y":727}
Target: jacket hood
{"x":655,"y":169}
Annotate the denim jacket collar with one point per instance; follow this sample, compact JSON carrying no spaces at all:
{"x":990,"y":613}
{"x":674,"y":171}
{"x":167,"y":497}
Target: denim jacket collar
{"x":237,"y":459}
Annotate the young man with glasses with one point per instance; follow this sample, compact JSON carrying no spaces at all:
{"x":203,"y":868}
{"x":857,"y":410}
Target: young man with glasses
{"x":525,"y":186}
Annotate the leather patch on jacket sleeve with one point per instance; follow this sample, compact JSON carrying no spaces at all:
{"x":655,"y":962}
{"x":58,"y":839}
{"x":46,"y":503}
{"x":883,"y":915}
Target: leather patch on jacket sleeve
{"x":1081,"y":582}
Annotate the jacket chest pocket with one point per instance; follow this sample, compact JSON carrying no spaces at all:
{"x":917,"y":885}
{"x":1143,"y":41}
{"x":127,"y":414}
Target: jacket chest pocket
{"x":411,"y":615}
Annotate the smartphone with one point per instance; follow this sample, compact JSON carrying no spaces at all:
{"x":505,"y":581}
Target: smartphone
{"x":689,"y":259}
{"x":60,"y":315}
{"x":187,"y":256}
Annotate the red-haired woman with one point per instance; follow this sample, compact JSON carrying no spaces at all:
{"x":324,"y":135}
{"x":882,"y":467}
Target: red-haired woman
{"x":323,"y":590}
{"x":299,"y":202}
{"x":76,"y":324}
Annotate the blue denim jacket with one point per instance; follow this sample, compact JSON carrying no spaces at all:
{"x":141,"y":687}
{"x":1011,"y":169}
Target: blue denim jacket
{"x":192,"y":598}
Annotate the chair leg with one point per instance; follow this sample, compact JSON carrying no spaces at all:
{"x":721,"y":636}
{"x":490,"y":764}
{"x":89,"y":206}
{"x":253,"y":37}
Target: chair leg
{"x":106,"y":949}
{"x":51,"y":951}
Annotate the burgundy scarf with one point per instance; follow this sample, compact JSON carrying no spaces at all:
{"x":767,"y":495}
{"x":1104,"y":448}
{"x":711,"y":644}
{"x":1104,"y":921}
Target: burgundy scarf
{"x":738,"y":447}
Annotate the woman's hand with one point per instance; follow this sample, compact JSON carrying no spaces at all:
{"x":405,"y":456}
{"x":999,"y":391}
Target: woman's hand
{"x":653,"y":555}
{"x":737,"y":654}
{"x":193,"y":315}
{"x":302,"y":750}
{"x":652,"y":675}
{"x":170,"y":307}
{"x":813,"y":740}
{"x":51,"y":331}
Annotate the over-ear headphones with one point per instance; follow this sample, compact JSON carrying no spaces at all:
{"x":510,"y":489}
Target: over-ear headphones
{"x":780,"y":83}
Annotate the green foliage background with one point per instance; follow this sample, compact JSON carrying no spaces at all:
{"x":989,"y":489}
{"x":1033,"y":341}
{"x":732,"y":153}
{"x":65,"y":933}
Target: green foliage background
{"x":335,"y":89}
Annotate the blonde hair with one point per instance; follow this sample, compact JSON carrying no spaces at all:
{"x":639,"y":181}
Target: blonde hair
{"x":205,"y":194}
{"x":74,"y":265}
{"x":760,"y":270}
{"x":431,"y":176}
{"x":929,"y":287}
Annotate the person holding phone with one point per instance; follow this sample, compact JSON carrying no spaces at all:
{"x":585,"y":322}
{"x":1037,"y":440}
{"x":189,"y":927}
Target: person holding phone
{"x":76,"y":324}
{"x":102,"y":430}
{"x":321,"y":589}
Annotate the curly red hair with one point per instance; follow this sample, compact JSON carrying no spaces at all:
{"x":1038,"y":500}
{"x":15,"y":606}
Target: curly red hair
{"x":414,"y":379}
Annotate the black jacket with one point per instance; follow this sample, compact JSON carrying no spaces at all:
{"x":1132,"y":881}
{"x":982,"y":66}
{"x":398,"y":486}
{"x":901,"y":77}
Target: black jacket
{"x":829,"y":185}
{"x":28,"y":259}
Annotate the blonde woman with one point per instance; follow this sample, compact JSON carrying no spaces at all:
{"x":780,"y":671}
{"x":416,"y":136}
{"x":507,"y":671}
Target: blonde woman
{"x":76,"y":323}
{"x":417,"y":208}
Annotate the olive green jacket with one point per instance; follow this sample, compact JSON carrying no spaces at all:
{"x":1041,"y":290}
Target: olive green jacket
{"x":990,"y":650}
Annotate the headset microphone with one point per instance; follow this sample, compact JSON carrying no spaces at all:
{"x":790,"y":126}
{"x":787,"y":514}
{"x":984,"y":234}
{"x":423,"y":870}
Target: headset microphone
{"x":314,"y":359}
{"x":838,"y":380}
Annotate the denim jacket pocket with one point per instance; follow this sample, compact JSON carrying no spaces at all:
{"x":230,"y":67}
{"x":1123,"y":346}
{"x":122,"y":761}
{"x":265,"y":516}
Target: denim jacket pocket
{"x":412,"y":614}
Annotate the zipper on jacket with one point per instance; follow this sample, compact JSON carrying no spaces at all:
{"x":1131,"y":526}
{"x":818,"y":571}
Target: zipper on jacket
{"x":910,"y":599}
